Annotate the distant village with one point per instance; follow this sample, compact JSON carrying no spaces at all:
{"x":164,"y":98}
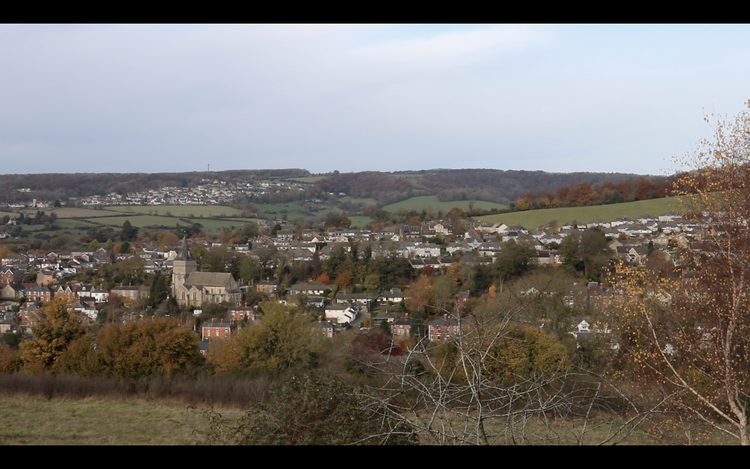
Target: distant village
{"x":208,"y":192}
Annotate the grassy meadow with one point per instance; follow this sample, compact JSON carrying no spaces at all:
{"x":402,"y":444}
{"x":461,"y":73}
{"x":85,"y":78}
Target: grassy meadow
{"x":307,"y":179}
{"x":215,"y":226}
{"x":90,"y":421}
{"x":138,"y":220}
{"x":531,"y":219}
{"x":37,"y":420}
{"x":68,"y":223}
{"x":361,"y":200}
{"x":75,"y":212}
{"x":431,"y":203}
{"x":179,"y":210}
{"x":147,"y":221}
{"x":360,"y":221}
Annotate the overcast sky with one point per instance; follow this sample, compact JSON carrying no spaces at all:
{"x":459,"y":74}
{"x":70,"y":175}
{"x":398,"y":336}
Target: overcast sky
{"x":151,"y":98}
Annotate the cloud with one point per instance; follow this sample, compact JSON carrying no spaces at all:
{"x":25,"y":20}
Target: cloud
{"x":450,"y":48}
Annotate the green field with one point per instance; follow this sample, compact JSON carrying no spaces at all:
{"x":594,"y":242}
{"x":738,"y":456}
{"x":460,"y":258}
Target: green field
{"x":147,"y":221}
{"x":360,"y":221}
{"x":307,"y":180}
{"x":532,"y":219}
{"x":363,"y":201}
{"x":293,"y":210}
{"x":74,"y":223}
{"x":431,"y":203}
{"x":73,"y":212}
{"x":215,"y":226}
{"x":179,"y":210}
{"x":139,"y":220}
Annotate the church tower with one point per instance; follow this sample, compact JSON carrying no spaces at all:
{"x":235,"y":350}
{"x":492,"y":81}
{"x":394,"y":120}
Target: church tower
{"x":182,"y":266}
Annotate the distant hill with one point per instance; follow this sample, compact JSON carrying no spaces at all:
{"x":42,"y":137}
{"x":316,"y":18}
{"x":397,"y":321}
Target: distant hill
{"x":376,"y":188}
{"x":491,"y":185}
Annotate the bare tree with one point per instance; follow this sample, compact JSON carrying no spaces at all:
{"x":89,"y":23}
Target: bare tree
{"x":500,"y":381}
{"x":689,"y":337}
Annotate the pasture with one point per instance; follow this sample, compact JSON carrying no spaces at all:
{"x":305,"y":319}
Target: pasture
{"x":179,"y":210}
{"x":210,"y":225}
{"x":75,"y":212}
{"x":293,"y":210}
{"x":307,"y":179}
{"x":75,"y":223}
{"x":215,"y":226}
{"x":532,"y":219}
{"x":360,"y":221}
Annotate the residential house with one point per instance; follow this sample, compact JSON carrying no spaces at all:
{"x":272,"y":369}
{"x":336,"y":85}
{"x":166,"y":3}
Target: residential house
{"x":401,"y":327}
{"x":326,"y":328}
{"x":238,"y":313}
{"x":342,"y":314}
{"x":443,"y":328}
{"x":216,"y":330}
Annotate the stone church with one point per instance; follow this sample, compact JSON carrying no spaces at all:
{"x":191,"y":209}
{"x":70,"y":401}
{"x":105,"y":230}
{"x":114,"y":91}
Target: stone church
{"x":192,"y":288}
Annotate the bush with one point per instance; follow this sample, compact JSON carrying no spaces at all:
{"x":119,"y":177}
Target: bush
{"x":314,"y":409}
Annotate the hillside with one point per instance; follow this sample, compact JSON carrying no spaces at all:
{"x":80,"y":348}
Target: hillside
{"x":531,"y":219}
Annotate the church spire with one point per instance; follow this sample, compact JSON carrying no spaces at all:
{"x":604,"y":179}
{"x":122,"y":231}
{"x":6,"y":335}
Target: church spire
{"x":184,"y":254}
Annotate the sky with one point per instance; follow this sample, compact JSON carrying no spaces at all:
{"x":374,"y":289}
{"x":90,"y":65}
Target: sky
{"x":170,"y":98}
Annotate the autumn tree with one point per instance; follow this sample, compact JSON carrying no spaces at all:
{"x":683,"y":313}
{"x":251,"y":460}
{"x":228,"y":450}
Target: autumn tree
{"x":690,"y":336}
{"x":81,"y":358}
{"x":9,"y":359}
{"x":420,"y":295}
{"x":168,"y":240}
{"x":148,"y":347}
{"x":340,"y":221}
{"x":283,"y":338}
{"x":54,"y":330}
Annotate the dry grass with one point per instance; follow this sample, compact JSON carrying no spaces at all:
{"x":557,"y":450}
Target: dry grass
{"x":34,"y":420}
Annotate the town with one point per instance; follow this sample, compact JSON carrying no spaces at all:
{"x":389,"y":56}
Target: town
{"x":383,"y":291}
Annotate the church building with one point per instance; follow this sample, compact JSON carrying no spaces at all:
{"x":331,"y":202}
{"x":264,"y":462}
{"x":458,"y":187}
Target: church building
{"x":192,"y":288}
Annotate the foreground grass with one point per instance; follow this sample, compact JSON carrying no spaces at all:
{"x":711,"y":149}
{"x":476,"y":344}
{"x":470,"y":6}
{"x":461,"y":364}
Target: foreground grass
{"x":38,"y":420}
{"x":35,"y":420}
